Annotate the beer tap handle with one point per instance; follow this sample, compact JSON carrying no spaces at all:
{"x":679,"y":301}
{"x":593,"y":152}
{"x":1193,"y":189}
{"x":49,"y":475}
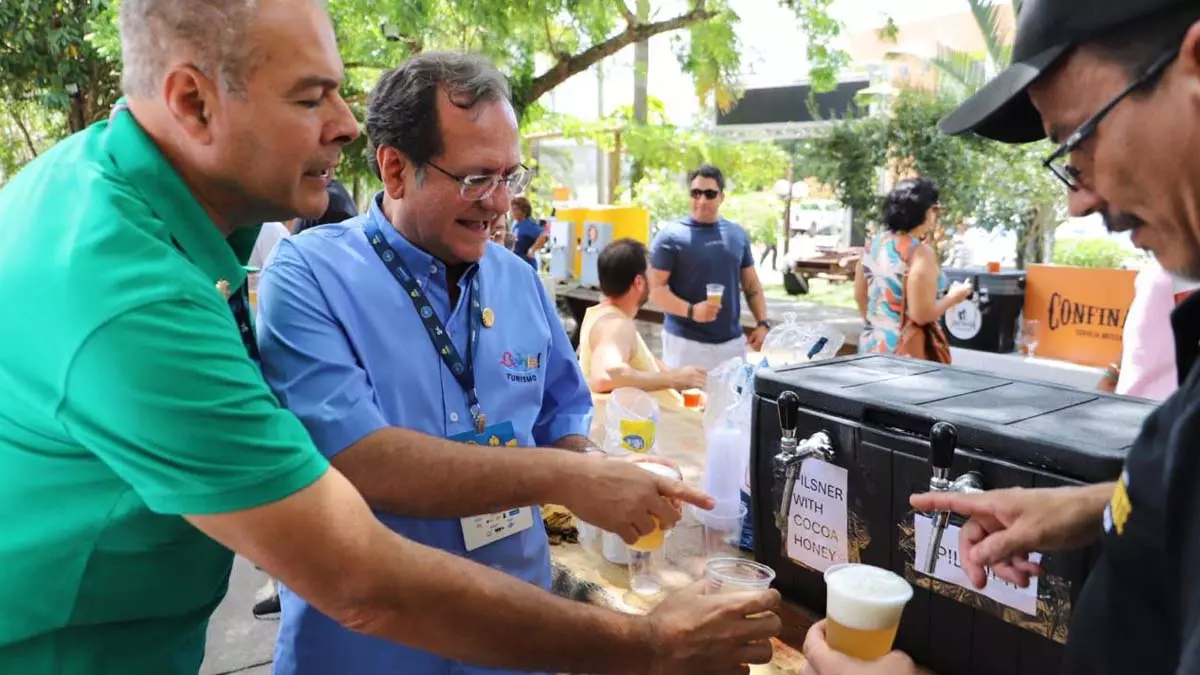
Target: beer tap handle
{"x":789,"y":413}
{"x":787,"y":462}
{"x":943,"y":438}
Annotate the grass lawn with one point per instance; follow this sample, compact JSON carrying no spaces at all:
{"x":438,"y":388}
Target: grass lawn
{"x":820,"y":292}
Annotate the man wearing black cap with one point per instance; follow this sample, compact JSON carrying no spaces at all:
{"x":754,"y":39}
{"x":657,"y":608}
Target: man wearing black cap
{"x":1116,"y":84}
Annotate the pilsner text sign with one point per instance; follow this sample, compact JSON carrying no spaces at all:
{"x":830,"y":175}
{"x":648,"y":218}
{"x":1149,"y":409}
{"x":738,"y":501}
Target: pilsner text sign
{"x":949,"y":570}
{"x":818,"y":520}
{"x":1082,"y":311}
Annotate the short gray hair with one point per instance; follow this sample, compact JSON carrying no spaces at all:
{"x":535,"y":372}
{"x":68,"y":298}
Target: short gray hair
{"x":402,"y":111}
{"x":214,"y":31}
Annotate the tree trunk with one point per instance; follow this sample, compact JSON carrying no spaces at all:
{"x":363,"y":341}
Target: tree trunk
{"x":787,"y":208}
{"x":568,"y":66}
{"x":76,"y":116}
{"x":25,"y":133}
{"x":641,"y":75}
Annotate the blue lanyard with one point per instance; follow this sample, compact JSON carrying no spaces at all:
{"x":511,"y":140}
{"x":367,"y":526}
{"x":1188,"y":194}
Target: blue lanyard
{"x":239,"y":303}
{"x":463,"y":370}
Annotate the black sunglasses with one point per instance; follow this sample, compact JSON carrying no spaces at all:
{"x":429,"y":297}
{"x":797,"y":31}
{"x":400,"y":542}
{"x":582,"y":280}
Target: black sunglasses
{"x":707,"y":194}
{"x":1070,"y":175}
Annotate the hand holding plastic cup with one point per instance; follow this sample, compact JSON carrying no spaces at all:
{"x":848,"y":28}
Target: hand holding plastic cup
{"x":654,"y":540}
{"x":863,"y":608}
{"x":736,"y":575}
{"x":715,"y":293}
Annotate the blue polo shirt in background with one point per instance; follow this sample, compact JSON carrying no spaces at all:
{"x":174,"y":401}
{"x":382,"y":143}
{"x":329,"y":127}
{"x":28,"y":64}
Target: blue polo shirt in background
{"x":526,"y":232}
{"x":698,"y":254}
{"x":345,"y":351}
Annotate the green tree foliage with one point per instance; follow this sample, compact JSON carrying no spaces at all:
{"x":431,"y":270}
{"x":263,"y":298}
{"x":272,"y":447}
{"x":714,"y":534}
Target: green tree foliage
{"x":759,"y":213}
{"x":47,"y":60}
{"x":521,"y":36}
{"x":821,"y":31}
{"x":849,"y":157}
{"x":668,"y":152}
{"x":1090,"y":252}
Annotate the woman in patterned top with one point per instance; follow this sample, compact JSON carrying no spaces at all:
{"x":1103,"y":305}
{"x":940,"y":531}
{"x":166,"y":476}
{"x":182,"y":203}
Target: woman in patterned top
{"x":910,"y":212}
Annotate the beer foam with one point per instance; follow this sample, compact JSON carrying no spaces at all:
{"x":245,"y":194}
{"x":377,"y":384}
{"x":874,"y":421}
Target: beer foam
{"x":866,"y":597}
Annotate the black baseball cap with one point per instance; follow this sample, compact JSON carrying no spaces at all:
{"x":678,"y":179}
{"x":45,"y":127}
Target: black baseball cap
{"x":1047,"y":30}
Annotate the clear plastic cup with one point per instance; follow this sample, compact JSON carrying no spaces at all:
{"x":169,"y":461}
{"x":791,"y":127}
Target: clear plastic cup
{"x":736,"y":575}
{"x":630,"y":422}
{"x":722,"y":528}
{"x":715,"y":293}
{"x":643,"y":572}
{"x":654,"y":540}
{"x":863,"y":608}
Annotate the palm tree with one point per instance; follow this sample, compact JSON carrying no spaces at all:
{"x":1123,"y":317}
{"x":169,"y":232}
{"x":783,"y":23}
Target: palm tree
{"x":964,"y":73}
{"x":961,"y":74}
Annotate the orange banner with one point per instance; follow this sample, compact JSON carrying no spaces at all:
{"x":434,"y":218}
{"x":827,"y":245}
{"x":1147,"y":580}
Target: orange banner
{"x":1081,"y":311}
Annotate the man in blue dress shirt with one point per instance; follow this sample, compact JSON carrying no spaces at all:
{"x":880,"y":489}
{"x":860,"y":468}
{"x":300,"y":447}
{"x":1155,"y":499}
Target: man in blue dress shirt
{"x":406,"y":325}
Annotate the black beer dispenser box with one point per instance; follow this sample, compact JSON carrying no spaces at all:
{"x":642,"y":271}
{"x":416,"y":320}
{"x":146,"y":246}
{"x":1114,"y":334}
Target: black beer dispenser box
{"x":839,"y":446}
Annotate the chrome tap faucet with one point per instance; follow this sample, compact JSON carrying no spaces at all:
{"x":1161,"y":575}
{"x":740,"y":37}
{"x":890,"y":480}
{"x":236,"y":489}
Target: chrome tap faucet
{"x":793,"y":452}
{"x":943,"y":438}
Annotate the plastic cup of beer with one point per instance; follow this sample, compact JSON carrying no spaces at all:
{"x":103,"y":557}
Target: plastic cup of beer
{"x":736,"y":575}
{"x":654,"y":540}
{"x":863,"y":608}
{"x":715,"y":292}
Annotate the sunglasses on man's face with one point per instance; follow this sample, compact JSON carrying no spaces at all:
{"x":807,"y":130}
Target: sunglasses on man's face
{"x":707,"y":194}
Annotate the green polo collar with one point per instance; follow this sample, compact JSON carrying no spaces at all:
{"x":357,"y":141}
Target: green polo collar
{"x":149,"y":173}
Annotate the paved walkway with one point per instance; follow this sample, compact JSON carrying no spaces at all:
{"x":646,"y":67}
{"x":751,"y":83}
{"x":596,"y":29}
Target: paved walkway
{"x":237,"y":642}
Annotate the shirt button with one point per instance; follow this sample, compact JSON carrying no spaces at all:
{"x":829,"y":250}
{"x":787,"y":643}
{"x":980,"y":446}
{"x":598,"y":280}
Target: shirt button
{"x":453,"y":417}
{"x":433,"y":269}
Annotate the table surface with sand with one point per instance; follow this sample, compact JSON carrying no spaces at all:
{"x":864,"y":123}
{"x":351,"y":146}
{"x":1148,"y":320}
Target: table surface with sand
{"x":680,"y":436}
{"x":681,"y":439}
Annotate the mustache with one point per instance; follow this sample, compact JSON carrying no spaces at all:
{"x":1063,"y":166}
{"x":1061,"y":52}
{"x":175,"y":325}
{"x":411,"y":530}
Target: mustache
{"x":1120,"y":222}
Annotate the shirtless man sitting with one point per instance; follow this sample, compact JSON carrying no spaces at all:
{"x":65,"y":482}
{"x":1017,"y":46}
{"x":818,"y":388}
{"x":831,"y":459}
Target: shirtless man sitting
{"x":611,"y":352}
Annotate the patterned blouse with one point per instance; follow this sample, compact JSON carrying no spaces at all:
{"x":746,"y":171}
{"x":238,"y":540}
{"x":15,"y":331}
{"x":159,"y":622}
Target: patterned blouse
{"x":885,"y":260}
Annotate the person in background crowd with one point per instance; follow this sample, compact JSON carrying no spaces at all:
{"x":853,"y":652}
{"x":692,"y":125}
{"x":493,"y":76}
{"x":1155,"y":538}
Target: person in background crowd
{"x":529,"y":234}
{"x":689,"y":254}
{"x":341,"y":207}
{"x":1147,"y":365}
{"x":771,"y":248}
{"x":272,"y":233}
{"x":487,"y":373}
{"x":910,"y":213}
{"x":501,"y":234}
{"x":1116,"y":86}
{"x":612,"y":354}
{"x":140,"y":447}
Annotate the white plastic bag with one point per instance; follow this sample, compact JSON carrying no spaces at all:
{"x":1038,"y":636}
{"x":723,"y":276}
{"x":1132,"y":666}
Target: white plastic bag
{"x":792,"y":342}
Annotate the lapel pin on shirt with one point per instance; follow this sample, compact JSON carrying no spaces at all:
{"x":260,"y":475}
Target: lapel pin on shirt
{"x":223,"y":288}
{"x":489,"y":317}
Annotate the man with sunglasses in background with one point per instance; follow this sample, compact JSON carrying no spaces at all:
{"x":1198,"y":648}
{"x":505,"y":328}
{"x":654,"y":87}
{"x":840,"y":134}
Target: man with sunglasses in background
{"x":686,"y":257}
{"x":1117,"y":85}
{"x":404,"y":335}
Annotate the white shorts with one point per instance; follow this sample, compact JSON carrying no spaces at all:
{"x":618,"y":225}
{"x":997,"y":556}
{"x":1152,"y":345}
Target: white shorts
{"x":680,"y":352}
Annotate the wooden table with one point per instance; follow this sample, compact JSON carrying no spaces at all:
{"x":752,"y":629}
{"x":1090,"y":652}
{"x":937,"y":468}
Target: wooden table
{"x":681,"y":439}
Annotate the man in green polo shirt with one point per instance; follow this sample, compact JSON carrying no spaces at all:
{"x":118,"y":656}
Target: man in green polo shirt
{"x":139,"y":444}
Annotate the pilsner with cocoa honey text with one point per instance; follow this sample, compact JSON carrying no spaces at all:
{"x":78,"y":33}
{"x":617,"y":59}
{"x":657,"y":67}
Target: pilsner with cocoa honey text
{"x":863,"y":609}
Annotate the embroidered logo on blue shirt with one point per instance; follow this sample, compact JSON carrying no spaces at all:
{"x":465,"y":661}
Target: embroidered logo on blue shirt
{"x":521,"y":367}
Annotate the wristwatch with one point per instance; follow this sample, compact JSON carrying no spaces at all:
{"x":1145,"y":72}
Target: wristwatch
{"x":764,"y":324}
{"x":691,"y":310}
